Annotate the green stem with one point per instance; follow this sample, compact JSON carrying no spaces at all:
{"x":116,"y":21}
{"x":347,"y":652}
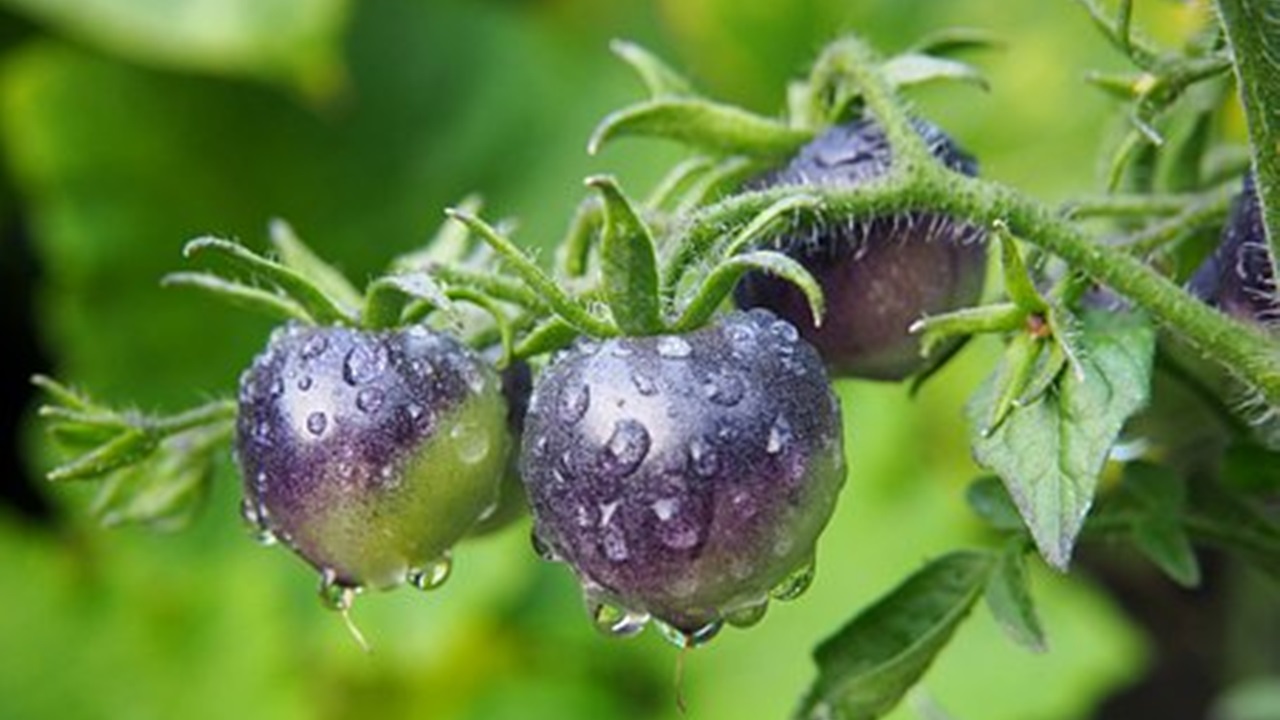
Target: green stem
{"x":1247,"y":351}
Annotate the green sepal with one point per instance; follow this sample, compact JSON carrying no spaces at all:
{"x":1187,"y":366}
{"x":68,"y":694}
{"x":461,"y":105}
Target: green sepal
{"x":248,"y":297}
{"x":951,"y":41}
{"x":387,"y":297}
{"x":679,"y":180}
{"x":712,"y":127}
{"x":912,"y":69}
{"x":720,"y":282}
{"x":1011,"y":379}
{"x":547,"y":290}
{"x":768,"y":219}
{"x":657,"y":76}
{"x":629,"y":263}
{"x":294,"y":254}
{"x":553,"y":334}
{"x":1017,"y":279}
{"x":321,"y":308}
{"x":995,"y":318}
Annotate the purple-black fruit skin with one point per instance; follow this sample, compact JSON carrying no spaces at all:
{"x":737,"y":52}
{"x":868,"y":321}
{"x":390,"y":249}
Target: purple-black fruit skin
{"x":369,"y":453}
{"x":685,"y":476}
{"x":1238,"y":278}
{"x":879,"y":274}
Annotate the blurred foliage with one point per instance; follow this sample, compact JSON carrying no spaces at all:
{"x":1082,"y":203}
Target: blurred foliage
{"x":129,"y":127}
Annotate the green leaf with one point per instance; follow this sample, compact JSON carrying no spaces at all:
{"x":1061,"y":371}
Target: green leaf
{"x":713,"y":127}
{"x":629,"y":263}
{"x":913,"y":69}
{"x":1165,"y":542}
{"x":164,"y":491}
{"x":1049,"y":453}
{"x":656,"y":75}
{"x":294,"y":254}
{"x":1009,"y":599}
{"x":1253,"y":29}
{"x":719,"y":283}
{"x":867,"y":667}
{"x":989,"y":500}
{"x":293,"y":41}
{"x":1222,"y":518}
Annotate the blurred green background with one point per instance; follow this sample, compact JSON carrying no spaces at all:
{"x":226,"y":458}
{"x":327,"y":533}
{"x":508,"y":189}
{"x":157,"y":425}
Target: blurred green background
{"x":130,"y":126}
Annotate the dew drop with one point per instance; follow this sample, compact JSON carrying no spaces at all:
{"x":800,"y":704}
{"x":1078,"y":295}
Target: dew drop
{"x":414,"y":411}
{"x":779,"y":436}
{"x":334,"y":594}
{"x":542,"y":547}
{"x":644,"y":384}
{"x":316,"y":423}
{"x":471,"y":442}
{"x":795,"y":584}
{"x":277,"y":387}
{"x":473,"y":377}
{"x":784,"y":331}
{"x":673,"y":346}
{"x":364,"y":363}
{"x":304,"y":383}
{"x":574,"y":401}
{"x":748,"y":615}
{"x":615,"y":545}
{"x":369,"y":399}
{"x":695,"y":638}
{"x":626,"y":447}
{"x":704,"y":458}
{"x":616,"y":621}
{"x":433,"y":575}
{"x":725,"y":389}
{"x":314,"y":347}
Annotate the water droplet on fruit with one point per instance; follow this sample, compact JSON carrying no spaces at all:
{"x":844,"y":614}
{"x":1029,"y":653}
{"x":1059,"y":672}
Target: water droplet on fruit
{"x":574,"y":401}
{"x":304,"y":383}
{"x":335,"y":595}
{"x":725,"y":389}
{"x":316,"y":423}
{"x":703,"y":457}
{"x":614,"y":544}
{"x":474,"y":378}
{"x":277,"y":387}
{"x":433,"y":575}
{"x":414,"y":411}
{"x":626,"y":448}
{"x":673,"y":346}
{"x":616,"y":621}
{"x":471,"y":441}
{"x":748,"y":615}
{"x":314,"y":347}
{"x":695,"y":638}
{"x":675,"y":530}
{"x":369,"y":399}
{"x":364,"y":363}
{"x":644,"y":384}
{"x":795,"y":584}
{"x":779,"y":436}
{"x":542,"y":547}
{"x":784,"y":331}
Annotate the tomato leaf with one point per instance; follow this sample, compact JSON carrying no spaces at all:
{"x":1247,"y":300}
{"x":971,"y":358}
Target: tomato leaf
{"x":1049,"y":453}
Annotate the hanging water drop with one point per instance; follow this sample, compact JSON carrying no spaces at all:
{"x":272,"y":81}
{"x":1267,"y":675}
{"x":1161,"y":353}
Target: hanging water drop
{"x":748,"y":615}
{"x":616,"y":621}
{"x":334,"y":594}
{"x":433,"y":575}
{"x":795,"y":584}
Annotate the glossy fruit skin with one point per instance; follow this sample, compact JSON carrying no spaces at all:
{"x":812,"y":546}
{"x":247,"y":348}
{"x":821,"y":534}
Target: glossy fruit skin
{"x":684,"y":477}
{"x":370,"y":453}
{"x":878,"y":274}
{"x":1238,"y":278}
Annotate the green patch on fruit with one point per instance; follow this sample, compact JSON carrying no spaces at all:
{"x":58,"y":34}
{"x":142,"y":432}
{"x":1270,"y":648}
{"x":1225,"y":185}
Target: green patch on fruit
{"x":390,"y":533}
